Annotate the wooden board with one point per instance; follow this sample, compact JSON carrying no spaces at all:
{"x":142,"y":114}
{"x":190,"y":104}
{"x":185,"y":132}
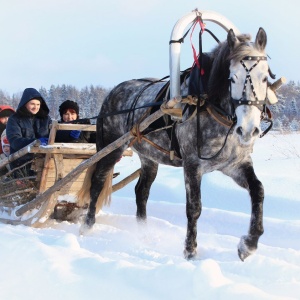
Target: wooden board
{"x":65,"y":166}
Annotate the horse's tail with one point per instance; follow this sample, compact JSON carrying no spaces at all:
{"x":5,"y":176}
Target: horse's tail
{"x":104,"y":198}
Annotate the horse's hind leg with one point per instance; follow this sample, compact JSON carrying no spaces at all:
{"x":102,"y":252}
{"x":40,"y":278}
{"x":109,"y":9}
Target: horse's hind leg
{"x":247,"y":179}
{"x":142,"y":188}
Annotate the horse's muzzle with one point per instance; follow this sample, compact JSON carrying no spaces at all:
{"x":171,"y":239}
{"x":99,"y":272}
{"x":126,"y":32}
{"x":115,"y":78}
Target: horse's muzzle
{"x":246,"y":136}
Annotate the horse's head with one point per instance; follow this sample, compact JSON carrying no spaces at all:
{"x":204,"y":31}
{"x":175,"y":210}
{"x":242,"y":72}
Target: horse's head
{"x":248,"y":83}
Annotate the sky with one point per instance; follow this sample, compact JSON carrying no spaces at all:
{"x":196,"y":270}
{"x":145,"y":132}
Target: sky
{"x":121,"y":259}
{"x":84,"y":42}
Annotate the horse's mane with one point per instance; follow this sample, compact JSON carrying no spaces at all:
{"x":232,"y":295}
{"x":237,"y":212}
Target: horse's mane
{"x":218,"y":85}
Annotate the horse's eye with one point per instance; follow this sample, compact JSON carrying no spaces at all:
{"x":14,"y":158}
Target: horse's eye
{"x":265,"y":79}
{"x":232,"y":80}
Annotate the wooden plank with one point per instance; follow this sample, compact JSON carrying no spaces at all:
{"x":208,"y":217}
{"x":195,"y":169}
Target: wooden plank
{"x":59,"y":166}
{"x":82,"y":127}
{"x":63,"y":167}
{"x":71,"y":148}
{"x":48,"y":157}
{"x":71,"y":188}
{"x":66,"y":148}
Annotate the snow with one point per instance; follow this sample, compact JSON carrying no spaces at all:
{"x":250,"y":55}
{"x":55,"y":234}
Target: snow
{"x":122,"y":259}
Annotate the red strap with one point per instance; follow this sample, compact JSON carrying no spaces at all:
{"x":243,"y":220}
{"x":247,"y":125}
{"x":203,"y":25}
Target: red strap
{"x":202,"y":26}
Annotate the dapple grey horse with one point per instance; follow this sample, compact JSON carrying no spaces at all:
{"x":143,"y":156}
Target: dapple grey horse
{"x":237,"y":91}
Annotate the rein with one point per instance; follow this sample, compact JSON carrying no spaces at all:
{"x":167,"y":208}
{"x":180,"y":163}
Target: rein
{"x":217,"y":113}
{"x":129,"y":110}
{"x":132,"y":108}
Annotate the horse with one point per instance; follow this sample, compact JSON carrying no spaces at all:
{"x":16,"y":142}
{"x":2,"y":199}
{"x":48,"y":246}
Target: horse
{"x":237,"y":91}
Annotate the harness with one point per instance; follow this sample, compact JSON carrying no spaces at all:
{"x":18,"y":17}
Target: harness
{"x":229,"y":120}
{"x":261,"y":104}
{"x":226,"y":119}
{"x":258,"y":103}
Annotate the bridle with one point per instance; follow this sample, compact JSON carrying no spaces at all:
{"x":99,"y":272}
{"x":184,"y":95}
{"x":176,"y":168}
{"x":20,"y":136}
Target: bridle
{"x":242,"y":101}
{"x":230,"y":120}
{"x":260,"y":104}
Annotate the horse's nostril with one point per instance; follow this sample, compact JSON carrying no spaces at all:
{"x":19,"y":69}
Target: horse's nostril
{"x":239,"y":130}
{"x":255,"y":132}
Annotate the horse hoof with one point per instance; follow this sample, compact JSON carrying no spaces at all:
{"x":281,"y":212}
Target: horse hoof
{"x":141,"y":218}
{"x":190,"y":255}
{"x":243,"y":254}
{"x":243,"y":249}
{"x":90,"y":220}
{"x":87,"y":225}
{"x":84,"y":228}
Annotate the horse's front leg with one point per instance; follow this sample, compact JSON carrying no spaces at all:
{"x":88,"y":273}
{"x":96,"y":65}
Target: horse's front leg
{"x":246,"y":178}
{"x":193,"y":208}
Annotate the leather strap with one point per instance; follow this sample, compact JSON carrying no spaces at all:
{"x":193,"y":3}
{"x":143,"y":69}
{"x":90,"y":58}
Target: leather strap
{"x":218,"y":117}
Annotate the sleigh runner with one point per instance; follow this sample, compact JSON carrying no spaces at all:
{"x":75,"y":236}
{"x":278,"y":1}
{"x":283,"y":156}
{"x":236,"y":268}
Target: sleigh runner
{"x":50,"y":164}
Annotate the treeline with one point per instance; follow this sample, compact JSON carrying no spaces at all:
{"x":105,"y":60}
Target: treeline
{"x":286,"y":113}
{"x":89,"y":99}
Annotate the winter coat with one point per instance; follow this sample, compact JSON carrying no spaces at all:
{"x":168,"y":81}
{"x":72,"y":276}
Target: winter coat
{"x":23,"y":127}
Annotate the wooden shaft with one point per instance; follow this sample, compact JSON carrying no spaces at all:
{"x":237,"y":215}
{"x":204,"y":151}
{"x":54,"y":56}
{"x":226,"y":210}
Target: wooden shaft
{"x":89,"y":162}
{"x":126,"y":180}
{"x":18,"y":192}
{"x":277,"y":84}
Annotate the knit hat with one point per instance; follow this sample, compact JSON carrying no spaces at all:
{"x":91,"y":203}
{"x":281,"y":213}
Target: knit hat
{"x":6,"y":111}
{"x":68,"y":104}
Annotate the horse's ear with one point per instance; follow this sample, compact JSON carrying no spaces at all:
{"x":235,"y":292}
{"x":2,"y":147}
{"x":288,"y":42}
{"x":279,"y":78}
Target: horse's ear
{"x":261,"y":39}
{"x":231,"y":39}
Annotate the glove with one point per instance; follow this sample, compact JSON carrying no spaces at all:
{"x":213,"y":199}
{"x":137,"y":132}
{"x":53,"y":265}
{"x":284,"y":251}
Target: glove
{"x":44,"y":141}
{"x":75,"y":134}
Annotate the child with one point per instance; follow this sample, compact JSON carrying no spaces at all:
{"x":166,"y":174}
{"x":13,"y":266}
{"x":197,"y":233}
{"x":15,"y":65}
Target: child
{"x":5,"y":144}
{"x":5,"y":112}
{"x":6,"y":152}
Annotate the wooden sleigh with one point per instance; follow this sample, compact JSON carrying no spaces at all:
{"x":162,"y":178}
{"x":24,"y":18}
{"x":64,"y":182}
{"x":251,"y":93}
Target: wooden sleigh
{"x":51,"y":164}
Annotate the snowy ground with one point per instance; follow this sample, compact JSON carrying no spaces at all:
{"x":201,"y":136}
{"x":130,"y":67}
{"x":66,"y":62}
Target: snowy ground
{"x":121,"y":259}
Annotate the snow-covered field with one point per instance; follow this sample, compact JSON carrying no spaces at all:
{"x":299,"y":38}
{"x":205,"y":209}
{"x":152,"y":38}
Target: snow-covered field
{"x":120,"y":259}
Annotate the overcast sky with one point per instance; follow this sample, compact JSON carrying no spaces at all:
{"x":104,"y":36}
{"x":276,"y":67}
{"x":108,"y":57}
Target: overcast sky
{"x":83,"y":42}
